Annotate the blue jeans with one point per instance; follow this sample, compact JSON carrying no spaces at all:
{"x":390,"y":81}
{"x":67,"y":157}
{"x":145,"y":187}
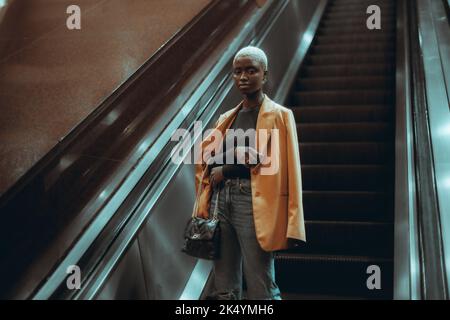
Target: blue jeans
{"x":239,"y":247}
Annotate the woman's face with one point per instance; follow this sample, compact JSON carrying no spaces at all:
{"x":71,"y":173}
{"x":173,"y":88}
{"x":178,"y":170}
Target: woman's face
{"x":248,"y":75}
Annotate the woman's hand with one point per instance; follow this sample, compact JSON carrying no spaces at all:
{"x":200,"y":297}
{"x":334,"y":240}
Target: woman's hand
{"x":216,"y":176}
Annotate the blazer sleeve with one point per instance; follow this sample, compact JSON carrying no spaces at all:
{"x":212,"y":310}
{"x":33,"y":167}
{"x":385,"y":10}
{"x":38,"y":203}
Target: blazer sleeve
{"x":296,"y":224}
{"x":201,"y":170}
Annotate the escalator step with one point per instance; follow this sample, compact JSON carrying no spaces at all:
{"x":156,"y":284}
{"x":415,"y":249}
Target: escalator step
{"x":362,"y":4}
{"x":351,"y":39}
{"x":348,"y":70}
{"x":357,"y":13}
{"x":346,"y":153}
{"x":369,"y":47}
{"x":348,"y":238}
{"x":359,"y":7}
{"x":353,"y":30}
{"x":342,"y":113}
{"x":348,"y":205}
{"x":360,"y":58}
{"x":345,"y":132}
{"x":366,"y":2}
{"x":337,"y":275}
{"x":344,"y":82}
{"x":357,"y":23}
{"x":346,"y":177}
{"x":343,"y":97}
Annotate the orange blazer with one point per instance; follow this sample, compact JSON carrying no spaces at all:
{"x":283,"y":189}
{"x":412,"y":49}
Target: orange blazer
{"x":276,"y":185}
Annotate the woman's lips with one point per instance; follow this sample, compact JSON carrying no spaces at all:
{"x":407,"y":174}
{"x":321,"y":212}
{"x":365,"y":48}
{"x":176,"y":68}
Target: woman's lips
{"x":246,"y":85}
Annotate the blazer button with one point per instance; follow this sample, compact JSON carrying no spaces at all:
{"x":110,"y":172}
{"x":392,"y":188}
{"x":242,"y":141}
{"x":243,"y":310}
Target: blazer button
{"x":213,"y":153}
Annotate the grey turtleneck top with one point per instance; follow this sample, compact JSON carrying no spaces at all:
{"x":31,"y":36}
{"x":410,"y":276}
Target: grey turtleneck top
{"x":245,"y":119}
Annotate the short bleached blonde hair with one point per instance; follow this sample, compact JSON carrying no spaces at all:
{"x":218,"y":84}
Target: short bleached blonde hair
{"x":254,"y":53}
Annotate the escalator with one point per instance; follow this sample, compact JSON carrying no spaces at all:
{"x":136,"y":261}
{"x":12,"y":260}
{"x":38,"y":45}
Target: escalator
{"x":122,"y":222}
{"x":344,"y":103}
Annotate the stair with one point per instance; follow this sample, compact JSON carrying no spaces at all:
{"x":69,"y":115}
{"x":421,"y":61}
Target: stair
{"x":343,"y":101}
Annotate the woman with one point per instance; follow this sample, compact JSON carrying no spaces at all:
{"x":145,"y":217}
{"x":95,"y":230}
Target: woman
{"x":259,"y":192}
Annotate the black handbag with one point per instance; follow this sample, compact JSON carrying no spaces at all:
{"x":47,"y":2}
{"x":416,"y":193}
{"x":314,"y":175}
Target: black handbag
{"x":202,"y":236}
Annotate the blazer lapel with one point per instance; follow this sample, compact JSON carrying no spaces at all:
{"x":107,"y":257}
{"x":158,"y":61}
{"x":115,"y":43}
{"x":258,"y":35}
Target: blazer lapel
{"x":227,"y":120}
{"x":264,"y":124}
{"x":223,"y":124}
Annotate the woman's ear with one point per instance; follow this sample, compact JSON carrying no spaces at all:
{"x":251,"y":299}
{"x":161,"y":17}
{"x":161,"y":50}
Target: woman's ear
{"x":265,"y":77}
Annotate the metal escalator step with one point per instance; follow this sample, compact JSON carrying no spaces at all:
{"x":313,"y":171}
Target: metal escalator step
{"x":356,"y":13}
{"x":345,"y":132}
{"x":343,"y":113}
{"x":347,"y":177}
{"x":349,"y":2}
{"x":354,"y":238}
{"x":353,"y":48}
{"x":359,"y":29}
{"x":379,"y":82}
{"x":357,"y":23}
{"x":360,"y":4}
{"x":351,"y":39}
{"x":346,"y":152}
{"x":343,"y":72}
{"x":330,"y":274}
{"x":348,"y":205}
{"x":341,"y":7}
{"x":358,"y":7}
{"x":349,"y":58}
{"x":342,"y":97}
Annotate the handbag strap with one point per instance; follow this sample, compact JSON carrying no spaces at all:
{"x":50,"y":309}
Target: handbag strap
{"x":194,"y":211}
{"x":215,"y":217}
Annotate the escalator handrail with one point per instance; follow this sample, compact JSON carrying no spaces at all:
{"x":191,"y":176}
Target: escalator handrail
{"x":431,"y":228}
{"x":406,"y":247}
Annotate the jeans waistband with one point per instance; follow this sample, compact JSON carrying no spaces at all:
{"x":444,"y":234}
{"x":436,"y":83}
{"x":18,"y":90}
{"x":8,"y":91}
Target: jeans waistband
{"x":234,"y":181}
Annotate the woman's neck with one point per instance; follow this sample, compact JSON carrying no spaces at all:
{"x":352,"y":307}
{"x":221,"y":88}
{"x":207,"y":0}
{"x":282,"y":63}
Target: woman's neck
{"x":253,"y":100}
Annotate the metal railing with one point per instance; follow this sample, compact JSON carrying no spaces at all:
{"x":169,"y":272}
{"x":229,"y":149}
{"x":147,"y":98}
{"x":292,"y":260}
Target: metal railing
{"x":432,"y":90}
